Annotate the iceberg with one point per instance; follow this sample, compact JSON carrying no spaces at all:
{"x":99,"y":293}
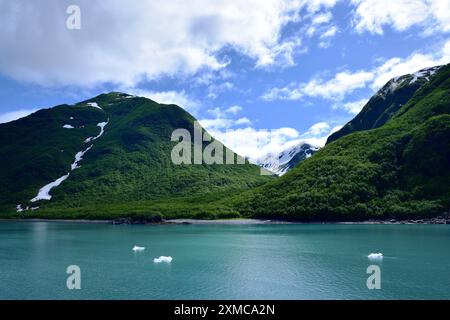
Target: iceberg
{"x":137,"y":248}
{"x":162,"y":259}
{"x":375,"y":256}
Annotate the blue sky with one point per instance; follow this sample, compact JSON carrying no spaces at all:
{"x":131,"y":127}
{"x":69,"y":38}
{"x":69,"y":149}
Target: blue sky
{"x":260,"y":75}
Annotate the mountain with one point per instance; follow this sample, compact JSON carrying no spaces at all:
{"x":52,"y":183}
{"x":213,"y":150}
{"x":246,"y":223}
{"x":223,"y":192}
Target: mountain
{"x":386,"y":102}
{"x":281,"y":163}
{"x":398,"y":168}
{"x":110,"y":156}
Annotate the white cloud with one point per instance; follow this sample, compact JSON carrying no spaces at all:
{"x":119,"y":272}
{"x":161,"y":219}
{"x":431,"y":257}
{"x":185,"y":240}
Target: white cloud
{"x":180,"y":98}
{"x":215,"y":89}
{"x":221,"y":113}
{"x":318,"y":133}
{"x":397,"y":66}
{"x":14,"y":115}
{"x":353,"y":107}
{"x":124,"y":44}
{"x":256,"y":143}
{"x":234,"y":109}
{"x":374,"y":15}
{"x":224,"y":119}
{"x":243,"y":121}
{"x":343,"y":83}
{"x":322,"y":18}
{"x":346,"y":82}
{"x":331,"y":32}
{"x":318,"y":128}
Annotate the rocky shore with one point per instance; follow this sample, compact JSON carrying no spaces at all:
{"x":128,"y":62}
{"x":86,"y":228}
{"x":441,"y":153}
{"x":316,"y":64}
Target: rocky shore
{"x":442,"y":219}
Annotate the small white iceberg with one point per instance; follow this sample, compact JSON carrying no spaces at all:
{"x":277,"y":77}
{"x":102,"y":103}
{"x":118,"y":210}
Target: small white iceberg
{"x":375,"y":256}
{"x":137,"y":248}
{"x":162,"y":259}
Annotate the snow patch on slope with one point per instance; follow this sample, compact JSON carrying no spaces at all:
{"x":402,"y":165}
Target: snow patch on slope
{"x":423,"y":75}
{"x":44,"y":192}
{"x":78,"y":158}
{"x":94,"y":105}
{"x":102,"y":126}
{"x":68,"y":126}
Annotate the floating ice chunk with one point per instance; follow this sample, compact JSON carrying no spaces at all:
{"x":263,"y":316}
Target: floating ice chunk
{"x":44,"y":192}
{"x":68,"y":126}
{"x":375,"y":256}
{"x":137,"y":248}
{"x":71,"y":118}
{"x":162,"y":259}
{"x":94,"y":104}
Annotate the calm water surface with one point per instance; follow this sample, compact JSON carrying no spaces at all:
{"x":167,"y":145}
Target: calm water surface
{"x":223,"y":261}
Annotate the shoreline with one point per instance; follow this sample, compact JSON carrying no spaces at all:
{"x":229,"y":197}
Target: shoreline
{"x":243,"y":221}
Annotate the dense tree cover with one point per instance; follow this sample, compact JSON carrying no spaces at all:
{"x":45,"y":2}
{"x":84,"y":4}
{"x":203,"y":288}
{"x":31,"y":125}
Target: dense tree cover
{"x":385,"y":103}
{"x":129,"y":167}
{"x":399,"y":170}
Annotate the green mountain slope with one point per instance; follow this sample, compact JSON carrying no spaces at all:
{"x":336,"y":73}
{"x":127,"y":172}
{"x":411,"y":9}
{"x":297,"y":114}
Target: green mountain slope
{"x":400,"y":169}
{"x":127,"y":171}
{"x":386,"y":102}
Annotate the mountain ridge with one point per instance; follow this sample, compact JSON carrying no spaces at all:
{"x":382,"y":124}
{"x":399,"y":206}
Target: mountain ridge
{"x":386,"y":102}
{"x":124,"y":148}
{"x":400,"y":169}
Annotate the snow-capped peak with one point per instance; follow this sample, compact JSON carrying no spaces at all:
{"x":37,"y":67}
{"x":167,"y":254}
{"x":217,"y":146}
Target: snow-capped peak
{"x":422,"y":76}
{"x":287,"y":159}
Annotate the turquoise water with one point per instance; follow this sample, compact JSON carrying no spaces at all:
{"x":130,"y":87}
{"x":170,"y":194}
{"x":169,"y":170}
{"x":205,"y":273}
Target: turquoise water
{"x":223,"y":261}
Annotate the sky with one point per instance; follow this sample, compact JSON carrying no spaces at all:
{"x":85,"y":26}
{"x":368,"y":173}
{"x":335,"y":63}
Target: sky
{"x":261,"y":76}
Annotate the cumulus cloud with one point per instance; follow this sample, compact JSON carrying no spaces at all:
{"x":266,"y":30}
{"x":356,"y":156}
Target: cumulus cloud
{"x":215,"y":89}
{"x":224,"y":118}
{"x":126,"y":43}
{"x":374,"y":15}
{"x":353,"y":107}
{"x":319,"y":128}
{"x":343,"y":83}
{"x":346,"y":82}
{"x":395,"y":67}
{"x":331,"y":32}
{"x":257,"y":144}
{"x":221,"y":113}
{"x":318,"y":133}
{"x":14,"y":115}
